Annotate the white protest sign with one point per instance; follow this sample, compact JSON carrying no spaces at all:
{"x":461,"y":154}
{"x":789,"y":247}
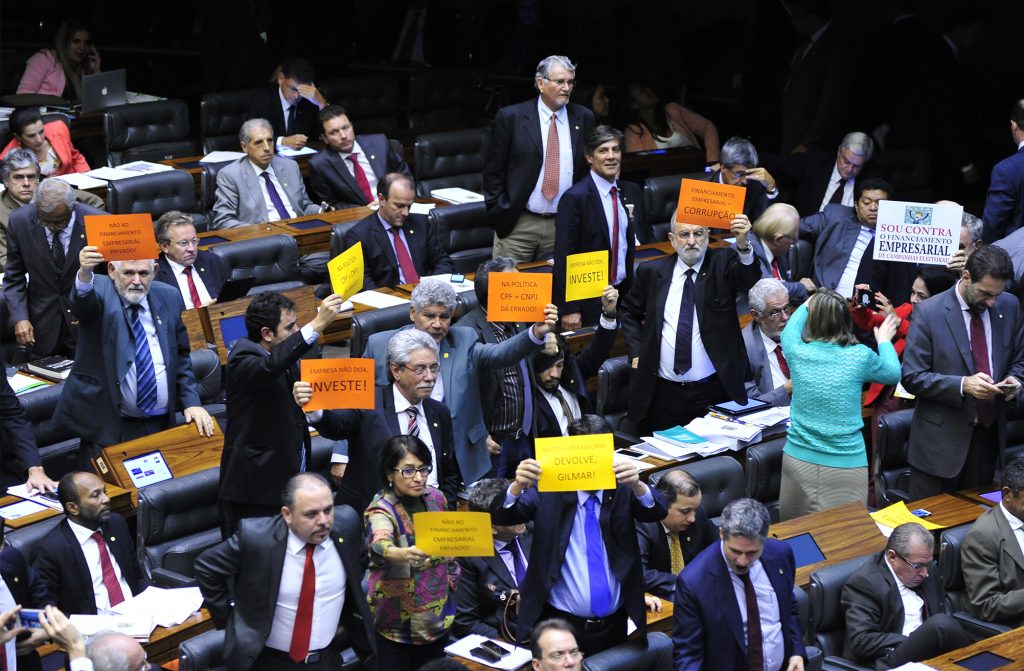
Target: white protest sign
{"x":917,"y":232}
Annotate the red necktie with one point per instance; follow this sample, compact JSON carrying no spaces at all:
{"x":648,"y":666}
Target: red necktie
{"x":193,"y":292}
{"x":404,"y":260}
{"x":114,"y":593}
{"x":549,"y":187}
{"x":755,"y":643}
{"x":775,"y":269}
{"x":782,"y":361}
{"x":364,"y":184}
{"x":303,"y":628}
{"x":979,"y":352}
{"x":613,"y":272}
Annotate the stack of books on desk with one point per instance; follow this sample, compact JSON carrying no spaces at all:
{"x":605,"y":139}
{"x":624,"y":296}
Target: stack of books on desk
{"x":55,"y":368}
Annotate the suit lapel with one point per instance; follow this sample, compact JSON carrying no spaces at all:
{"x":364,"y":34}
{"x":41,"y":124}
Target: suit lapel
{"x":1008,"y":540}
{"x":447,"y":361}
{"x":375,"y":157}
{"x":75,"y":244}
{"x":255,"y":192}
{"x":598,"y":215}
{"x":83,"y":575}
{"x":955,"y":320}
{"x":575,"y":132}
{"x":759,"y":361}
{"x":998,"y":351}
{"x":662,"y":283}
{"x":162,"y":335}
{"x":338,"y":164}
{"x":721,"y":580}
{"x":277,"y":561}
{"x":435,"y":430}
{"x":531,"y":124}
{"x":497,"y":566}
{"x":388,"y":403}
{"x":383,"y":240}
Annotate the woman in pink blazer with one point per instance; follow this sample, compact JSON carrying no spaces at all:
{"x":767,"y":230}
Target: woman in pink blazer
{"x":58,"y":71}
{"x":657,"y":126}
{"x":51,"y":143}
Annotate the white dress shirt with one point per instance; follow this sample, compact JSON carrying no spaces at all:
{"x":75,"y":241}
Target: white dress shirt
{"x":556,"y":407}
{"x":1015,"y":524}
{"x":91,"y":550}
{"x":328,"y":596}
{"x":364,"y":161}
{"x":268,"y":204}
{"x":285,"y":106}
{"x":537,"y":203}
{"x":772,"y":643}
{"x":833,"y":184}
{"x":401,"y":405}
{"x":778,"y":377}
{"x":129,"y":384}
{"x":849,"y":276}
{"x":604,"y":188}
{"x":913,"y":605}
{"x":178,"y":271}
{"x":65,"y":236}
{"x":391,"y":239}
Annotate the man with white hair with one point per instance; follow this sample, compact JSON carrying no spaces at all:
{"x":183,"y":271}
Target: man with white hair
{"x":769,"y":310}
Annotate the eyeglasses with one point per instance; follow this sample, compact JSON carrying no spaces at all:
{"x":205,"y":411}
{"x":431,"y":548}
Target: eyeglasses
{"x":421,"y":369}
{"x":916,"y":566}
{"x":556,"y":657}
{"x":696,"y":235}
{"x":185,"y":244}
{"x":778,"y":312}
{"x":410,"y":473}
{"x":561,"y":82}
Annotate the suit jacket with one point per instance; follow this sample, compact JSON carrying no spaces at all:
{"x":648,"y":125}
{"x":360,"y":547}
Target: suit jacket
{"x":936,"y":358}
{"x":20,"y":451}
{"x":366,"y":431}
{"x":515,"y":156}
{"x":707,"y":628}
{"x":874,"y":610}
{"x":240,"y":579}
{"x":1004,"y":204}
{"x":581,"y":226}
{"x":993,"y":569}
{"x":762,"y":386}
{"x":63,"y":570}
{"x":207,"y":264}
{"x":485,"y":586}
{"x":721,"y":277}
{"x":266,"y":104}
{"x":239,"y":199}
{"x":463,"y":360}
{"x":267,"y":432}
{"x":654,"y":553}
{"x":797,"y":291}
{"x":490,"y":381}
{"x":804,"y":178}
{"x":44,"y":302}
{"x":755,"y":199}
{"x":380,"y":265}
{"x":91,"y":401}
{"x":620,"y":510}
{"x":816,"y":95}
{"x":57,"y":132}
{"x":331,"y":180}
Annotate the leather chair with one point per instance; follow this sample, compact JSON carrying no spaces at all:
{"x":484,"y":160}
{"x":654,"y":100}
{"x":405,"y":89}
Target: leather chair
{"x":156,"y":194}
{"x":613,"y":398}
{"x":208,"y":184}
{"x":654,"y":654}
{"x":764,"y":474}
{"x":440,"y":98}
{"x":892,"y":473}
{"x":803,"y":606}
{"x":371,"y":102}
{"x":721,"y":482}
{"x":465,"y":302}
{"x":1014,"y":438}
{"x":210,"y":376}
{"x":177,"y":521}
{"x":28,"y":537}
{"x":661,"y":195}
{"x":801,"y":259}
{"x":465,"y":233}
{"x":221,"y":116}
{"x":451,"y":159}
{"x":272,"y":260}
{"x":152,"y":131}
{"x":828,"y":618}
{"x":58,"y":444}
{"x":338,"y":232}
{"x":952,"y":579}
{"x":204,"y":652}
{"x":365,"y":324}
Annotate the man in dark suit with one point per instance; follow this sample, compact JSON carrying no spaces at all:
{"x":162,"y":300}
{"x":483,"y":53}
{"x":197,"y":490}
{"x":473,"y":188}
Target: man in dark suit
{"x":522,"y":181}
{"x":267,"y":440}
{"x":679,"y":321}
{"x":27,"y":590}
{"x":487,"y":585}
{"x":893,"y":605}
{"x":1004,"y":205}
{"x":739,"y":163}
{"x":43,"y":242}
{"x":666,"y":547}
{"x":294,"y":626}
{"x":292,"y":106}
{"x":88,"y":562}
{"x":774,"y":234}
{"x":597,"y":213}
{"x":346,"y":172}
{"x":398,"y":247}
{"x":593,"y":588}
{"x":963,"y":361}
{"x":20,"y":462}
{"x":196,"y":273}
{"x":120,"y":389}
{"x":712,"y":627}
{"x":402,"y":407}
{"x":769,"y":312}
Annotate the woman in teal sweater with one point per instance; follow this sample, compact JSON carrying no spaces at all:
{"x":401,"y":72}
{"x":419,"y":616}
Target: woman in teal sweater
{"x":824,"y":463}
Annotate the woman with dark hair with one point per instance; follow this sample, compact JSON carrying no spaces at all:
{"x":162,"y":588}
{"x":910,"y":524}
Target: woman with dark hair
{"x":59,"y":71}
{"x":824,"y":463}
{"x":663,"y":126}
{"x":51,"y":143}
{"x":409,"y":591}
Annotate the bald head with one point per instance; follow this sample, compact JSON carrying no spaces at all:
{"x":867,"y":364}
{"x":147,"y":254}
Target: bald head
{"x":111,"y":651}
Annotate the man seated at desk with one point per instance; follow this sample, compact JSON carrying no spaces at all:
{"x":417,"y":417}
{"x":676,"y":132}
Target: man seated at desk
{"x":197,"y":273}
{"x":291,"y":106}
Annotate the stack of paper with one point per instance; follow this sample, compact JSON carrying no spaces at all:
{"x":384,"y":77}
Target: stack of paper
{"x":728,"y":431}
{"x":21,"y":383}
{"x":133,"y":169}
{"x":164,"y":607}
{"x":36,"y":496}
{"x":21,"y":509}
{"x":292,"y":153}
{"x":222,"y":156}
{"x":82,"y":180}
{"x":377,"y":299}
{"x":137,"y":627}
{"x":457,"y":195}
{"x":772,"y":421}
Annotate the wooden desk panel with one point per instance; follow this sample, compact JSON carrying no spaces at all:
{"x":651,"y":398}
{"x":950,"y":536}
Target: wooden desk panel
{"x":1009,"y":644}
{"x":197,"y":323}
{"x":120,"y":503}
{"x":949,"y":510}
{"x":191,"y":165}
{"x":237,"y":233}
{"x":975,"y":495}
{"x":305,"y":311}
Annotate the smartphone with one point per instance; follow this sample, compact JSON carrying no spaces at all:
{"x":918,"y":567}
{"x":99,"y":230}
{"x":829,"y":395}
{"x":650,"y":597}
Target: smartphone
{"x":485,"y":654}
{"x":1006,"y":386}
{"x":865,"y":298}
{"x":458,"y":278}
{"x":30,"y":618}
{"x":632,"y":454}
{"x":498,"y":650}
{"x":920,"y":512}
{"x":50,"y":496}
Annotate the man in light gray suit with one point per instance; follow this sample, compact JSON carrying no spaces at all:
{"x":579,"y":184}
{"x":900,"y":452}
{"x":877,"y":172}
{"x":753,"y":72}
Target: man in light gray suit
{"x":963,"y":361}
{"x":769,"y":308}
{"x":260,"y":187}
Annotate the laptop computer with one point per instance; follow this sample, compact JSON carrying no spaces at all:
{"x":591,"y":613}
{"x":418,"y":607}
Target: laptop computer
{"x":103,"y":90}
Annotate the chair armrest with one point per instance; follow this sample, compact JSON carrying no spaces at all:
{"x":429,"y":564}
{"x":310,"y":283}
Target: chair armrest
{"x":900,"y":495}
{"x":163,"y":577}
{"x":814,"y":659}
{"x":623,"y":439}
{"x":832,"y":663}
{"x":977,"y":628}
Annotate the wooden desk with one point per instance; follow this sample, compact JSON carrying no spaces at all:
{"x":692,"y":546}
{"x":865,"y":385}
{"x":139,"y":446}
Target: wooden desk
{"x":842,"y":533}
{"x":208,"y":239}
{"x":949,"y":510}
{"x":637,"y":167}
{"x":975,"y":495}
{"x":197,"y":323}
{"x":1009,"y":645}
{"x":120,"y":502}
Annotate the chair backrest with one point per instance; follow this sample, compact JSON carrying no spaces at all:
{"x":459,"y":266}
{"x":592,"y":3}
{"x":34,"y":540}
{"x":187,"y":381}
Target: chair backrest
{"x":271,"y":259}
{"x":465,"y":233}
{"x":721,"y":481}
{"x":156,"y":193}
{"x":27,"y":538}
{"x":828,"y":618}
{"x":208,"y":183}
{"x":220,"y":118}
{"x":951,"y":576}
{"x":661,"y":195}
{"x":365,"y":324}
{"x":338,"y":232}
{"x":451,"y":159}
{"x":654,"y":654}
{"x":465,"y":302}
{"x":613,"y":396}
{"x":151,"y":131}
{"x":892,"y":473}
{"x":207,"y":369}
{"x":801,"y":259}
{"x":204,"y":652}
{"x":439,"y":98}
{"x":764,"y":474}
{"x":371,"y":102}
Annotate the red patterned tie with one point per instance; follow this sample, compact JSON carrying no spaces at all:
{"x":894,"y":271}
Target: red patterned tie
{"x":364,"y":184}
{"x":303,"y":628}
{"x":613,"y":272}
{"x":193,"y":292}
{"x":549,"y":187}
{"x":782,"y":361}
{"x":775,"y":269}
{"x":409,"y":273}
{"x":979,"y":352}
{"x":114,"y":593}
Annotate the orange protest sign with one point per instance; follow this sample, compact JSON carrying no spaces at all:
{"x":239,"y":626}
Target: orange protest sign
{"x":339,"y":383}
{"x":122,"y":237}
{"x":518,"y":297}
{"x":709,"y":203}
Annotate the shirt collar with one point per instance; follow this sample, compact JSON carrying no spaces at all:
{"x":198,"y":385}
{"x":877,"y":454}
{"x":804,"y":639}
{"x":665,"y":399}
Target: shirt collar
{"x":545,"y":113}
{"x":959,"y":298}
{"x":1020,"y":146}
{"x":681,"y":267}
{"x":356,"y":149}
{"x":297,"y":545}
{"x":602,"y":184}
{"x":82,"y":534}
{"x":1015,"y":523}
{"x":174,"y":265}
{"x":402,"y":403}
{"x":582,"y":496}
{"x":259,"y":171}
{"x":769,"y":344}
{"x":284,"y":102}
{"x":386,"y":225}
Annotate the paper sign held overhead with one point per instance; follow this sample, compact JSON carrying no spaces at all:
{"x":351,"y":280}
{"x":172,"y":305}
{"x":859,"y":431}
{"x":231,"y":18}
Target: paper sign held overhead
{"x":339,"y":383}
{"x":346,"y":270}
{"x":122,"y":237}
{"x":455,"y":534}
{"x":586,"y":275}
{"x":574,"y":463}
{"x":518,"y":297}
{"x":709,"y":203}
{"x":916,"y":232}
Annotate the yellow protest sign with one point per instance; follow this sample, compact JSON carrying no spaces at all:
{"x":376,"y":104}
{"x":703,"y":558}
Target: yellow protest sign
{"x":898,"y":514}
{"x":346,"y":271}
{"x":586,"y":275}
{"x":571,"y":463}
{"x":456,"y":534}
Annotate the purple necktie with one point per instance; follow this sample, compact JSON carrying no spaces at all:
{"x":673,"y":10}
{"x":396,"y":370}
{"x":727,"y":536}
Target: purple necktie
{"x":275,"y":197}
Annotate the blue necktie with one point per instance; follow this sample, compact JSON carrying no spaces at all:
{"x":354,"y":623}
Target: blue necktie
{"x":517,"y":561}
{"x":684,"y":327}
{"x":600,"y":592}
{"x":145,"y":373}
{"x":275,"y":197}
{"x":527,"y":398}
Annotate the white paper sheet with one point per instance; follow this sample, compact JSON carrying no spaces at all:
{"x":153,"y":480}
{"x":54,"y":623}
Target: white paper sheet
{"x":21,"y":382}
{"x":457,"y":195}
{"x":292,"y":153}
{"x":222,"y":156}
{"x":82,"y":180}
{"x":20,"y":509}
{"x":165,"y":607}
{"x":21,"y":491}
{"x":421,"y":208}
{"x":376,"y":299}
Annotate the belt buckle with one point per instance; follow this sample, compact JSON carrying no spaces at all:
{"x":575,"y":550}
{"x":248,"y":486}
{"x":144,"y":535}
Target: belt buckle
{"x":313,"y":657}
{"x":593,"y":623}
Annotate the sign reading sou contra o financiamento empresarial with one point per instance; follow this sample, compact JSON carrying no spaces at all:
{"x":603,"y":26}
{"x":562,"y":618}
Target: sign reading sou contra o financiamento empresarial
{"x":916,"y":232}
